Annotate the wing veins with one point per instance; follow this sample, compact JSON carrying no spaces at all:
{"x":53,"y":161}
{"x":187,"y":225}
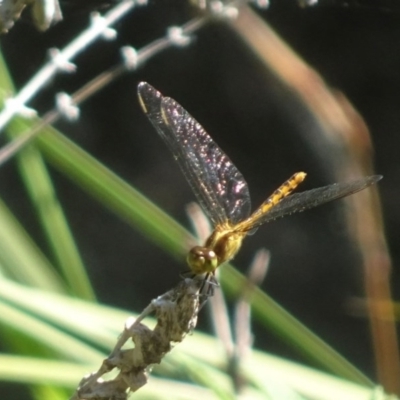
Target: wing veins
{"x":302,"y":201}
{"x":219,"y":187}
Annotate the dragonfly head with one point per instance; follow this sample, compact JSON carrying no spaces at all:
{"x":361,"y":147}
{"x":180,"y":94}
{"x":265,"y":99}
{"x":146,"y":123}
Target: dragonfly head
{"x":202,"y":260}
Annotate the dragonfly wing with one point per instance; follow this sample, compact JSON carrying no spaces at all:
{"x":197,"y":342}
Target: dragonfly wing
{"x":220,"y":188}
{"x":218,"y":185}
{"x":312,"y":198}
{"x":150,"y":100}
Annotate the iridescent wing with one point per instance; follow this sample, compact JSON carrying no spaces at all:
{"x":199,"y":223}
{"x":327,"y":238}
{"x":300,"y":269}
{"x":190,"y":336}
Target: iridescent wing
{"x":302,"y":201}
{"x":219,"y":187}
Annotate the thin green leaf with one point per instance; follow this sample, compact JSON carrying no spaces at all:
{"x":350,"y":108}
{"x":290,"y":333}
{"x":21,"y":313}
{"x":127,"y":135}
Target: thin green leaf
{"x":200,"y":354}
{"x":59,"y":342}
{"x":39,"y":186}
{"x":274,"y":317}
{"x":98,"y":325}
{"x":117,"y":195}
{"x":21,"y":259}
{"x":114,"y":193}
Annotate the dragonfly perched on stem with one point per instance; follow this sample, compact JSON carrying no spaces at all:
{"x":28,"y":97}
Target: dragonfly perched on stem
{"x":221,"y":189}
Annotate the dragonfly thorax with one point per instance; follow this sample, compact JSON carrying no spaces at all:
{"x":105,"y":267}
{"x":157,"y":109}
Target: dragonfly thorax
{"x":220,"y":247}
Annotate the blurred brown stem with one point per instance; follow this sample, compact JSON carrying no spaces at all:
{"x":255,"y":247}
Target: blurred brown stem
{"x":346,"y":135}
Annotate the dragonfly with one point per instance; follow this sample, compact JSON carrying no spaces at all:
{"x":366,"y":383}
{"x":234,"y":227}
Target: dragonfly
{"x":221,"y":189}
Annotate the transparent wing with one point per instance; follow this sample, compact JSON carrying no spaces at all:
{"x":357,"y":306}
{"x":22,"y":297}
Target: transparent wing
{"x":218,"y":185}
{"x":312,"y":198}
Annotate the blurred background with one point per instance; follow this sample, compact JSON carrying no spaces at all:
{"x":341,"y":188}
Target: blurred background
{"x":259,"y":121}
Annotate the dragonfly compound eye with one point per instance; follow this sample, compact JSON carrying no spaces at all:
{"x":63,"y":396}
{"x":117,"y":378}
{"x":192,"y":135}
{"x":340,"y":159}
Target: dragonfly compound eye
{"x":202,"y":260}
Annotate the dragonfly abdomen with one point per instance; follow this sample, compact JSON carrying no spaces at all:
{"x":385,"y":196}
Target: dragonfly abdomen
{"x":284,"y":190}
{"x":255,"y":219}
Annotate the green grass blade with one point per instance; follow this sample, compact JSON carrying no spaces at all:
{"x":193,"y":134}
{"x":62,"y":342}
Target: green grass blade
{"x":117,"y":195}
{"x":200,"y":354}
{"x":98,"y":326}
{"x":58,"y":342}
{"x":114,"y":193}
{"x":279,"y":375}
{"x":21,"y":259}
{"x":30,"y":370}
{"x":274,"y":317}
{"x":39,"y":186}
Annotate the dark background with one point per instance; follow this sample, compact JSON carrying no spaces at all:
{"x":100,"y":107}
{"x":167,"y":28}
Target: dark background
{"x":314,"y":269}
